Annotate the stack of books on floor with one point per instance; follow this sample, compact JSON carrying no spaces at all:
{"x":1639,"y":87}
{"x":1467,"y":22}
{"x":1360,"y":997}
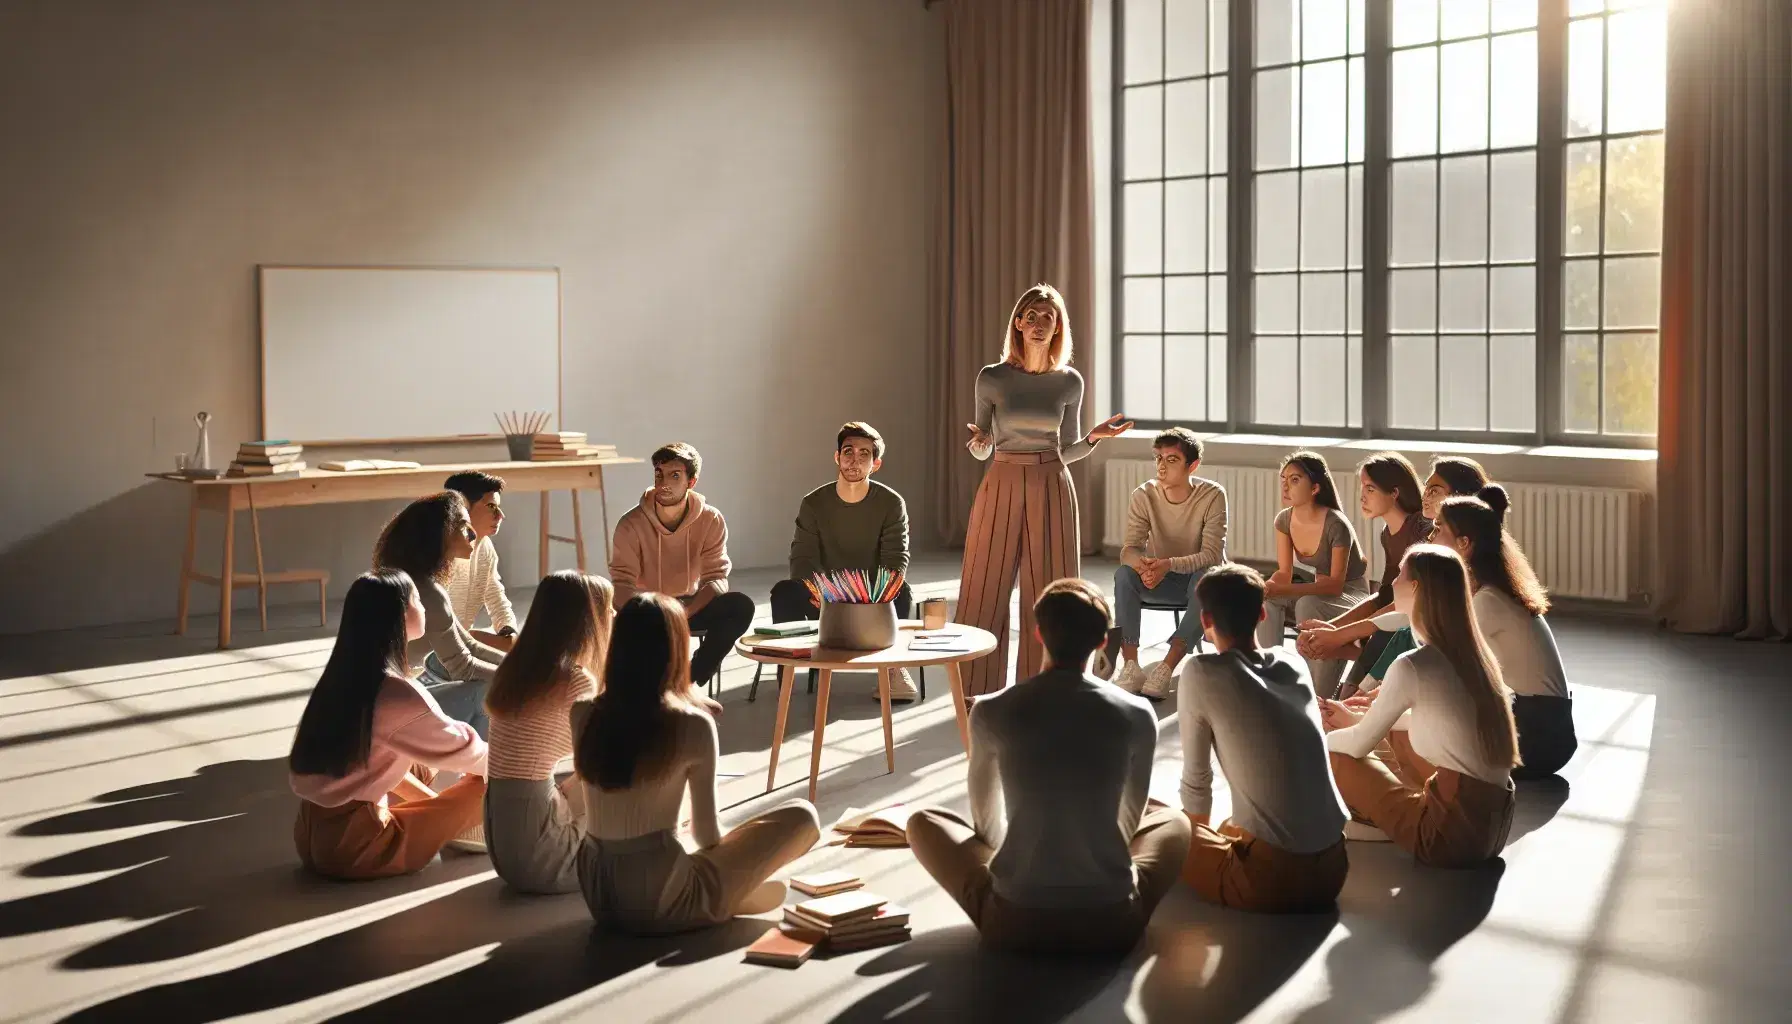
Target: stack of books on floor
{"x":566,"y":444}
{"x":886,"y":826}
{"x":268,"y":458}
{"x":845,"y":920}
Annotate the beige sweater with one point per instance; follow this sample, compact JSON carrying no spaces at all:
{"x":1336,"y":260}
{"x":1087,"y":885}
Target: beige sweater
{"x":1190,"y":533}
{"x":652,"y":806}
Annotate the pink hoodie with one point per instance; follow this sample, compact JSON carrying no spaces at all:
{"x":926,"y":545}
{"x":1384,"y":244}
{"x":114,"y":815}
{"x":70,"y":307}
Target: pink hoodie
{"x":645,"y":555}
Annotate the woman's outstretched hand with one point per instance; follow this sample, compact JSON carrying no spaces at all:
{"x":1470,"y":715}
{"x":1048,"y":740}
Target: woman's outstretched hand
{"x":978,"y":440}
{"x":1113,"y":426}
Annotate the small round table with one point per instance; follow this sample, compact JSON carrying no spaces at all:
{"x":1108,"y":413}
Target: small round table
{"x":969,"y":644}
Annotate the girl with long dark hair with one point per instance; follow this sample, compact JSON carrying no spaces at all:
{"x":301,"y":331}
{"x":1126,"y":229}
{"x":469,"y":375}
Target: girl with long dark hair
{"x":1320,"y":571}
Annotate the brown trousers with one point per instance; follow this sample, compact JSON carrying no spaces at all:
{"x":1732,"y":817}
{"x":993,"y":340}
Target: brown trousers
{"x":958,"y":859}
{"x":1025,"y":521}
{"x":361,"y":840}
{"x":1450,"y":820}
{"x":1233,"y":868}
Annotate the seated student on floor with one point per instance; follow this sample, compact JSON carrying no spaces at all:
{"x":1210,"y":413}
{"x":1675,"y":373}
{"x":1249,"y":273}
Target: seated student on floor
{"x":1175,"y":531}
{"x":1320,"y":571}
{"x":474,"y":584}
{"x":640,"y":745}
{"x":370,"y":735}
{"x":1509,"y":607}
{"x":675,"y":543}
{"x":533,"y":828}
{"x":1064,"y":852}
{"x":1451,"y":803}
{"x":852,"y":523}
{"x":1283,"y":849}
{"x":1391,"y":493}
{"x":423,"y":540}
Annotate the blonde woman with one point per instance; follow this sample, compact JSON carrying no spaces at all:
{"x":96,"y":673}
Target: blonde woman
{"x":532,"y":827}
{"x":1024,"y":521}
{"x":1460,"y":746}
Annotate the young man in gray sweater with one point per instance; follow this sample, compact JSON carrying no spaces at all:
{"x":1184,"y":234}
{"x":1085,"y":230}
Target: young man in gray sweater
{"x":1065,"y":851}
{"x":853,"y":522}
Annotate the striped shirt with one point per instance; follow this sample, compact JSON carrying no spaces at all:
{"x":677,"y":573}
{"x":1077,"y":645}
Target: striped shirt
{"x":527,"y":744}
{"x":474,"y":586}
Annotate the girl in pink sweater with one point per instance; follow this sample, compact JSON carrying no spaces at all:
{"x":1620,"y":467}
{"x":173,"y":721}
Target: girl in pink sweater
{"x":371,"y":736}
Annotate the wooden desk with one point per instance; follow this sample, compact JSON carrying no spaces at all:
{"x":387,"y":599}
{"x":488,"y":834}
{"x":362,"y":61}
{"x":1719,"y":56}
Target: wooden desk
{"x":230,"y":495}
{"x":885,"y":662}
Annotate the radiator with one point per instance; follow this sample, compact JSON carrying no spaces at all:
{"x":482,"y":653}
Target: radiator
{"x":1584,"y":542}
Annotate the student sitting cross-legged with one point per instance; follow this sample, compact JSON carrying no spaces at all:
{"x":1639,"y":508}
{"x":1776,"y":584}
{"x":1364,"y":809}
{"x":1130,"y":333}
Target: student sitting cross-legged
{"x":1175,"y":531}
{"x":854,"y":522}
{"x":474,"y":585}
{"x":639,"y":747}
{"x":1454,"y":806}
{"x":1283,"y":849}
{"x":675,"y":543}
{"x":1064,"y":852}
{"x":370,"y":742}
{"x":533,"y":829}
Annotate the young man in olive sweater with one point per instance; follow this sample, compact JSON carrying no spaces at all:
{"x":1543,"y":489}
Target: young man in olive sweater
{"x":852,"y":523}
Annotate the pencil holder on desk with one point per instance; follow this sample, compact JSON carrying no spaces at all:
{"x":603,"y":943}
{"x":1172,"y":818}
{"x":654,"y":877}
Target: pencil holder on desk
{"x":857,"y":627}
{"x":521,"y":446}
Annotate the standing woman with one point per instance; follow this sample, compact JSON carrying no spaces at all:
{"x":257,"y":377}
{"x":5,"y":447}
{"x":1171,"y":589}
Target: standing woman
{"x":423,"y":540}
{"x":1509,"y":607}
{"x":531,"y":827}
{"x":1029,"y":408}
{"x":369,"y":736}
{"x":1320,"y":570}
{"x":1459,"y":739}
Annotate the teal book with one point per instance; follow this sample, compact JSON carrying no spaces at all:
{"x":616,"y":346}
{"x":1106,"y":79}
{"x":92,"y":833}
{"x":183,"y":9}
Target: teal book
{"x":782,"y":629}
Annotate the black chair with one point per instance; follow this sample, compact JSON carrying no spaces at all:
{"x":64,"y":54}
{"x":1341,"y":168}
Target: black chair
{"x":1176,"y":611}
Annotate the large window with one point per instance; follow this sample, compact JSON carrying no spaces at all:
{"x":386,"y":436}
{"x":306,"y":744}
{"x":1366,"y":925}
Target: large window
{"x":1444,"y":216}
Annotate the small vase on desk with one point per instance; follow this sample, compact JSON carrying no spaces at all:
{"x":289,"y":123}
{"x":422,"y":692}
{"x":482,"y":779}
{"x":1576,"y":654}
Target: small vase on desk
{"x":202,"y":454}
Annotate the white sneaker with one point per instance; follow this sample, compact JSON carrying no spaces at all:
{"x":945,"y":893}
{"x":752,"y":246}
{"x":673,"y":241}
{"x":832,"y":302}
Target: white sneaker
{"x":472,"y":840}
{"x":1363,"y":832}
{"x":1157,"y":681}
{"x":1131,"y":677}
{"x":902,"y":688}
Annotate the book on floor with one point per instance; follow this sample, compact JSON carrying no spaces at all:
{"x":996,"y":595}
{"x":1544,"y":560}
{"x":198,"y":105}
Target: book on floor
{"x":826,"y":883}
{"x":869,"y":940}
{"x":886,"y":826}
{"x":840,"y":908}
{"x":777,"y":949}
{"x":885,"y":918}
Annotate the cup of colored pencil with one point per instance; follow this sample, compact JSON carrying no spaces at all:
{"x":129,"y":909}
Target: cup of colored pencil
{"x":858,"y":611}
{"x":520,"y":429}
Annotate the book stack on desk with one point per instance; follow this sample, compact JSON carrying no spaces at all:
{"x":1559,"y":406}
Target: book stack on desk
{"x":268,"y":458}
{"x":566,"y":444}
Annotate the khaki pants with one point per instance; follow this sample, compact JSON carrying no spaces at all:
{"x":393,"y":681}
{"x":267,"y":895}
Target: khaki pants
{"x":1450,"y":821}
{"x":958,"y":859}
{"x":364,"y":840}
{"x":1233,"y":868}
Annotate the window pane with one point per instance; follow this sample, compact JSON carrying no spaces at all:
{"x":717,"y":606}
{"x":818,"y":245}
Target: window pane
{"x":1322,"y":304}
{"x":1633,"y":292}
{"x":1353,"y":220}
{"x":1630,"y":381}
{"x":1412,"y":205}
{"x":1278,"y":207}
{"x":1464,"y":219}
{"x":1353,"y":394}
{"x":1278,"y":31}
{"x":1580,"y":294}
{"x":1413,"y":300}
{"x":1414,"y":129}
{"x":1185,"y":304}
{"x":1216,"y":224}
{"x":1353,"y":299}
{"x":1586,"y":69}
{"x":1144,"y":228}
{"x":1217,"y":120}
{"x":1512,"y":383}
{"x":1219,"y":37}
{"x":1464,"y":89}
{"x":1322,"y":116}
{"x":1462,"y":299}
{"x":1514,"y":298}
{"x":1638,"y":86}
{"x":1359,"y":26}
{"x":1142,"y":386}
{"x":1185,"y":38}
{"x":1277,"y":118}
{"x":1142,"y":305}
{"x":1580,"y":382}
{"x":1415,"y":21}
{"x":1276,"y":387}
{"x":1185,"y":225}
{"x":1582,"y":188}
{"x":1514,"y":206}
{"x":1185,"y":129}
{"x":1144,"y":40}
{"x":1185,"y":378}
{"x":1216,"y":377}
{"x":1324,"y":29}
{"x":1277,"y":301}
{"x":1509,"y":14}
{"x":1462,"y":383}
{"x":1413,"y":394}
{"x":1358,"y":108}
{"x":1144,"y":132}
{"x":1322,"y":381}
{"x":1464,"y":18}
{"x":1633,"y":194}
{"x":1216,"y":303}
{"x":1322,"y":216}
{"x":1515,"y":100}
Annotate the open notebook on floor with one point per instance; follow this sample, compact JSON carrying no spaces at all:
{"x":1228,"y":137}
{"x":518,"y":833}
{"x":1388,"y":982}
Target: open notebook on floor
{"x":884,"y":826}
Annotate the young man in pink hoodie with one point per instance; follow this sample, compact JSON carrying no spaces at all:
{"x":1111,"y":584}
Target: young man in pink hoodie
{"x":674,"y":543}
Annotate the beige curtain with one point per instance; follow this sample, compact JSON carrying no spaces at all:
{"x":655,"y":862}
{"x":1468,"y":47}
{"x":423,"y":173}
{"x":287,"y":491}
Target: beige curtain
{"x":1724,"y":558}
{"x":1016,"y":208}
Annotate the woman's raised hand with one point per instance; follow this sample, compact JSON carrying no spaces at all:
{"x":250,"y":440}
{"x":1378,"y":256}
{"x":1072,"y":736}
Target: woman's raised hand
{"x":978,"y":439}
{"x":1113,"y":426}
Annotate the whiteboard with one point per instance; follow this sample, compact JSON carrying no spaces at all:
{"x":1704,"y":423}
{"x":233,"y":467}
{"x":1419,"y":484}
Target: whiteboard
{"x":391,"y":353}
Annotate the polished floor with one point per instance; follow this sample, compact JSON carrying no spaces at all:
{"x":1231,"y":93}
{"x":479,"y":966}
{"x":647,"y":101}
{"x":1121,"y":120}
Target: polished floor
{"x":147,"y":874}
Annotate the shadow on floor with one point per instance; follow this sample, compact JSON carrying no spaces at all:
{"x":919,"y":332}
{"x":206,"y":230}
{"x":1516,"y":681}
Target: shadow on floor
{"x":1537,"y":802}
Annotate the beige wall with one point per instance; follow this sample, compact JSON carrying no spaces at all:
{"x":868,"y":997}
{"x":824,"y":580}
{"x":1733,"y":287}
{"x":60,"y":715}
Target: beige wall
{"x":738,"y":195}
